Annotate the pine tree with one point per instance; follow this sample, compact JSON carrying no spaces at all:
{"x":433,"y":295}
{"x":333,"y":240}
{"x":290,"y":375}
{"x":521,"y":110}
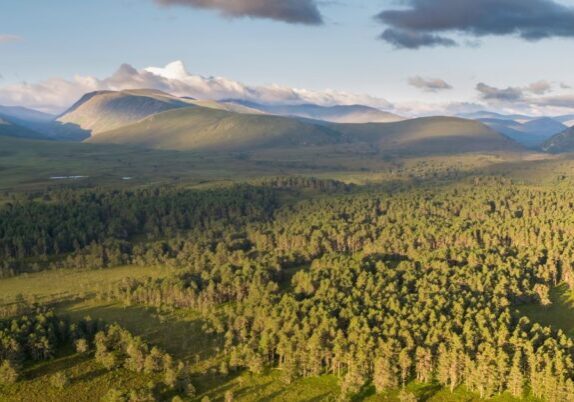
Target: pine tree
{"x":515,"y":382}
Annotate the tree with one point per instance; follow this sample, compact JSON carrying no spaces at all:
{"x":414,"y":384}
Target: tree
{"x":406,"y":396}
{"x":82,"y":345}
{"x":8,"y":372}
{"x":60,"y":380}
{"x":405,"y":363}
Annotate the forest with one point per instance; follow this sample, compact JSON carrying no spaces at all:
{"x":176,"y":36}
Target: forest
{"x":378,"y":287}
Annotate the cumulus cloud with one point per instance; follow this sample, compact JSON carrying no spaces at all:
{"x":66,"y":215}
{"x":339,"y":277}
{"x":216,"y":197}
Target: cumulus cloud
{"x":55,"y":95}
{"x":4,"y":38}
{"x":429,"y":84}
{"x":290,"y":11}
{"x":515,"y":94}
{"x":540,"y":87}
{"x":509,"y":94}
{"x":534,"y":99}
{"x":429,"y":20}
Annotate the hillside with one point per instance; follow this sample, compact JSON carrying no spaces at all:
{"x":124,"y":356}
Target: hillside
{"x":530,"y":134}
{"x":335,"y":114}
{"x":562,"y":142}
{"x":431,"y":135}
{"x":9,"y":129}
{"x":567,"y":120}
{"x":484,"y":114}
{"x":102,"y":111}
{"x":218,"y":130}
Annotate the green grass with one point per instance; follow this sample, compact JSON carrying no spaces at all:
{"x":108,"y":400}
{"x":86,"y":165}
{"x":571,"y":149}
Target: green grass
{"x":203,"y":129}
{"x":88,"y":381}
{"x":62,"y":284}
{"x":559,"y":314}
{"x":179,"y":333}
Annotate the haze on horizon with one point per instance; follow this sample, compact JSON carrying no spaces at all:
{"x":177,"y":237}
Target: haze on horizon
{"x":422,"y":57}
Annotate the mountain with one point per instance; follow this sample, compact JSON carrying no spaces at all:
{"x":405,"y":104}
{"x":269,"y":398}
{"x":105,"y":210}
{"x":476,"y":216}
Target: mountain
{"x":483,"y":114}
{"x":567,"y":120}
{"x":9,"y":129}
{"x":544,"y":127}
{"x":218,"y":130}
{"x":102,"y":111}
{"x":428,"y":135}
{"x":562,"y":142}
{"x":24,"y":114}
{"x":530,"y":134}
{"x":334,"y":114}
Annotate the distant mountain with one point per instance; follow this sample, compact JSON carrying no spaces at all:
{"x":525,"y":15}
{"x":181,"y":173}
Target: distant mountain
{"x":480,"y":115}
{"x":9,"y":129}
{"x":530,"y":134}
{"x":24,"y":114}
{"x":431,"y":135}
{"x":334,"y":114}
{"x":563,"y":142}
{"x":544,"y":127}
{"x":567,"y":120}
{"x":218,"y":130}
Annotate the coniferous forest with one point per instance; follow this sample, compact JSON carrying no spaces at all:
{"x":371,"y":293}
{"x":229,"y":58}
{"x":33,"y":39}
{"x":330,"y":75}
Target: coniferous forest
{"x":377,"y":287}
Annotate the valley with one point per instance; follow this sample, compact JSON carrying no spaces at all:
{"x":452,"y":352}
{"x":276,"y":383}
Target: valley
{"x":259,"y":255}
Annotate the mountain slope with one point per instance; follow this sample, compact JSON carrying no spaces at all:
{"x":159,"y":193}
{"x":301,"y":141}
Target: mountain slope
{"x":218,"y":130}
{"x":9,"y":129}
{"x":102,"y":111}
{"x":562,"y":142}
{"x":531,"y":134}
{"x":429,"y":135}
{"x":567,"y":119}
{"x":519,"y":118}
{"x":334,"y":114}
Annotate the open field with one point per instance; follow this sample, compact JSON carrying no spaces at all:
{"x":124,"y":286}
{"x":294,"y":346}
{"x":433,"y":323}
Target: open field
{"x":30,"y":165}
{"x":88,"y":381}
{"x":63,"y":284}
{"x":559,"y":314}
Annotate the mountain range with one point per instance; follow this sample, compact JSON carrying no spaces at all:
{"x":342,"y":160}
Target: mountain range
{"x":155,"y":119}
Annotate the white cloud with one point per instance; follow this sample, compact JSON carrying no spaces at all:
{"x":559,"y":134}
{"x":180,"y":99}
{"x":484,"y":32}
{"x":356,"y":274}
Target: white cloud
{"x":57,"y":94}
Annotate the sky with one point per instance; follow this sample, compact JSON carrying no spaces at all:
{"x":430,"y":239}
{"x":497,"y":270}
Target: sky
{"x":413,"y":57}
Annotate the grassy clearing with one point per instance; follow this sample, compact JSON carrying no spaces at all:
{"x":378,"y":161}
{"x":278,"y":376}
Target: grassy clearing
{"x":181,"y":333}
{"x":559,"y":314}
{"x":60,"y":284}
{"x":88,"y":381}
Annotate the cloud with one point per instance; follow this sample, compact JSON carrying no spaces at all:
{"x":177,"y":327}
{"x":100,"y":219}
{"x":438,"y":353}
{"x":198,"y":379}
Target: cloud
{"x":488,"y":92}
{"x":560,"y":101}
{"x":4,"y":38}
{"x":429,"y":84}
{"x":540,"y":87}
{"x":290,"y":11}
{"x":534,"y":99}
{"x":57,"y":94}
{"x":414,"y":40}
{"x":429,"y":20}
{"x":515,"y":94}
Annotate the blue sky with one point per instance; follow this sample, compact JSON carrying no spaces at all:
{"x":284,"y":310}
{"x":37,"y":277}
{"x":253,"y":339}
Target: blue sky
{"x":64,"y":38}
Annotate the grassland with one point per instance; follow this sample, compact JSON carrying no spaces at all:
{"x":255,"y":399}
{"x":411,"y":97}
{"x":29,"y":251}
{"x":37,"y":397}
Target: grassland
{"x":48,"y":286}
{"x":28,"y":166}
{"x":559,"y":314}
{"x":88,"y":381}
